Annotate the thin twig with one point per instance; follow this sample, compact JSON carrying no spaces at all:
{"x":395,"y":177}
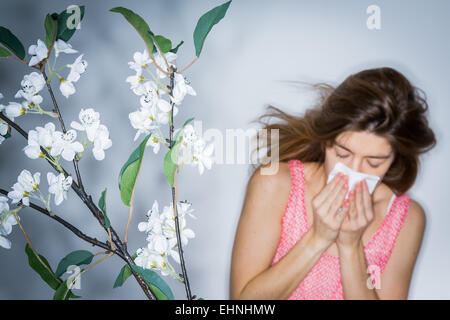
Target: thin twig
{"x":161,"y":54}
{"x":174,"y":200}
{"x":190,"y":64}
{"x":23,"y":61}
{"x":30,"y":244}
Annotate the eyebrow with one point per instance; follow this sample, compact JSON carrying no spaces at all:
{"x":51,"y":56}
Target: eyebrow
{"x":375,"y":157}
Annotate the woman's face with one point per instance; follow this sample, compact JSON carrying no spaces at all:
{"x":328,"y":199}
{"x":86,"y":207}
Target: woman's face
{"x":361,"y":151}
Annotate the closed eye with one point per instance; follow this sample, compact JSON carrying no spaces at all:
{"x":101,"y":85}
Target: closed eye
{"x":346,"y":155}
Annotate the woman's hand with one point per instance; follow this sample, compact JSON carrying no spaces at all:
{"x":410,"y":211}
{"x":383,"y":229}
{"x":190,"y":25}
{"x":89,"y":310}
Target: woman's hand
{"x":359,"y":216}
{"x":326,"y":218}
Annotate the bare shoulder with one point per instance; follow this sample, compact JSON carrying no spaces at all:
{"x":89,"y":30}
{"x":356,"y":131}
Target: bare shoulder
{"x":271,"y":187}
{"x":398,"y":272}
{"x":415,"y":218}
{"x":263,"y":174}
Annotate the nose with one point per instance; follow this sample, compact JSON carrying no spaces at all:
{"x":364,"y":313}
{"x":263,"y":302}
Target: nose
{"x":356,"y":164}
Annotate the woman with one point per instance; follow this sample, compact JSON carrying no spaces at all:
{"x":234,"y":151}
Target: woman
{"x":297,"y":237}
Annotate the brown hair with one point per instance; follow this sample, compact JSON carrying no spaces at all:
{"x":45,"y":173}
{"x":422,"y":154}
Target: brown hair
{"x":381,"y":101}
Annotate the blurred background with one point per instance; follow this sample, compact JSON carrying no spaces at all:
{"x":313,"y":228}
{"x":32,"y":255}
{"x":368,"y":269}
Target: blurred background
{"x":245,"y":62}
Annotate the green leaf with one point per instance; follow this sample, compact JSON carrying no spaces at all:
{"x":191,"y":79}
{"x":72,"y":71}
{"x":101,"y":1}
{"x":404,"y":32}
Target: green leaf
{"x":170,"y":164}
{"x":174,"y":50}
{"x":156,"y":283}
{"x":139,"y":24}
{"x":102,"y":206}
{"x":163,"y":43}
{"x":63,"y":292}
{"x":68,"y":21}
{"x":12,"y":43}
{"x":125,"y":272}
{"x":205,"y":23}
{"x":46,"y":273}
{"x":51,"y":26}
{"x":78,"y":257}
{"x":4,"y":53}
{"x":129,"y":172}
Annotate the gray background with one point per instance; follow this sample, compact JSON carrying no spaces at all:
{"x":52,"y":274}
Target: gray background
{"x":241,"y":69}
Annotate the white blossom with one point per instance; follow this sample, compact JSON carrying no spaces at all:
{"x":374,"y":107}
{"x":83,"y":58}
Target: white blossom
{"x":154,"y":222}
{"x":28,"y":181}
{"x":150,"y":96}
{"x":58,"y":185}
{"x":66,"y":87}
{"x":7,"y":220}
{"x":31,"y":85}
{"x":149,"y":260}
{"x":101,"y":142}
{"x":160,"y":229}
{"x":180,"y":89}
{"x":38,"y":52}
{"x":41,"y":137}
{"x":14,"y":110}
{"x":65,"y":144}
{"x":169,"y":221}
{"x":141,"y":60}
{"x":26,"y":184}
{"x":137,"y":83}
{"x":90,"y":121}
{"x":62,"y":46}
{"x":154,"y":142}
{"x":170,"y":56}
{"x":158,"y":243}
{"x":202,"y":155}
{"x":189,"y":135}
{"x":4,"y":206}
{"x":193,"y":150}
{"x":3,"y":124}
{"x":143,"y":120}
{"x":77,"y":68}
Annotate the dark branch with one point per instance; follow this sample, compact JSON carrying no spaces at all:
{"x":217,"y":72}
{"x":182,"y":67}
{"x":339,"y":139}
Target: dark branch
{"x":69,"y":226}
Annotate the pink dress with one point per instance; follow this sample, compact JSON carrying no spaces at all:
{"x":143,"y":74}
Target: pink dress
{"x":323,"y":282}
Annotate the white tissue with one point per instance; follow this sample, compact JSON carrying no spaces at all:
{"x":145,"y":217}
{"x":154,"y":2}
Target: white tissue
{"x":354,"y":177}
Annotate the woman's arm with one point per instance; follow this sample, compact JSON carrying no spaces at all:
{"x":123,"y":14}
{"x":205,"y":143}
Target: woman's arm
{"x":396,"y":277}
{"x":257,"y":237}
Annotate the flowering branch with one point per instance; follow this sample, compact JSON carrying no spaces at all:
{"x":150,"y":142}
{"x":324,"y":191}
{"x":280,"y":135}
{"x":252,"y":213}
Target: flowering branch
{"x":165,"y":231}
{"x":87,"y":200}
{"x":174,"y":196}
{"x":69,"y":226}
{"x":63,"y":127}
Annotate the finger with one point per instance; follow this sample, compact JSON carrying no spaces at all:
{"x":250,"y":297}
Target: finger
{"x":343,"y":215}
{"x":360,"y":204}
{"x":352,"y":214}
{"x":367,"y":200}
{"x":332,"y":198}
{"x":338,"y":201}
{"x":324,"y":194}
